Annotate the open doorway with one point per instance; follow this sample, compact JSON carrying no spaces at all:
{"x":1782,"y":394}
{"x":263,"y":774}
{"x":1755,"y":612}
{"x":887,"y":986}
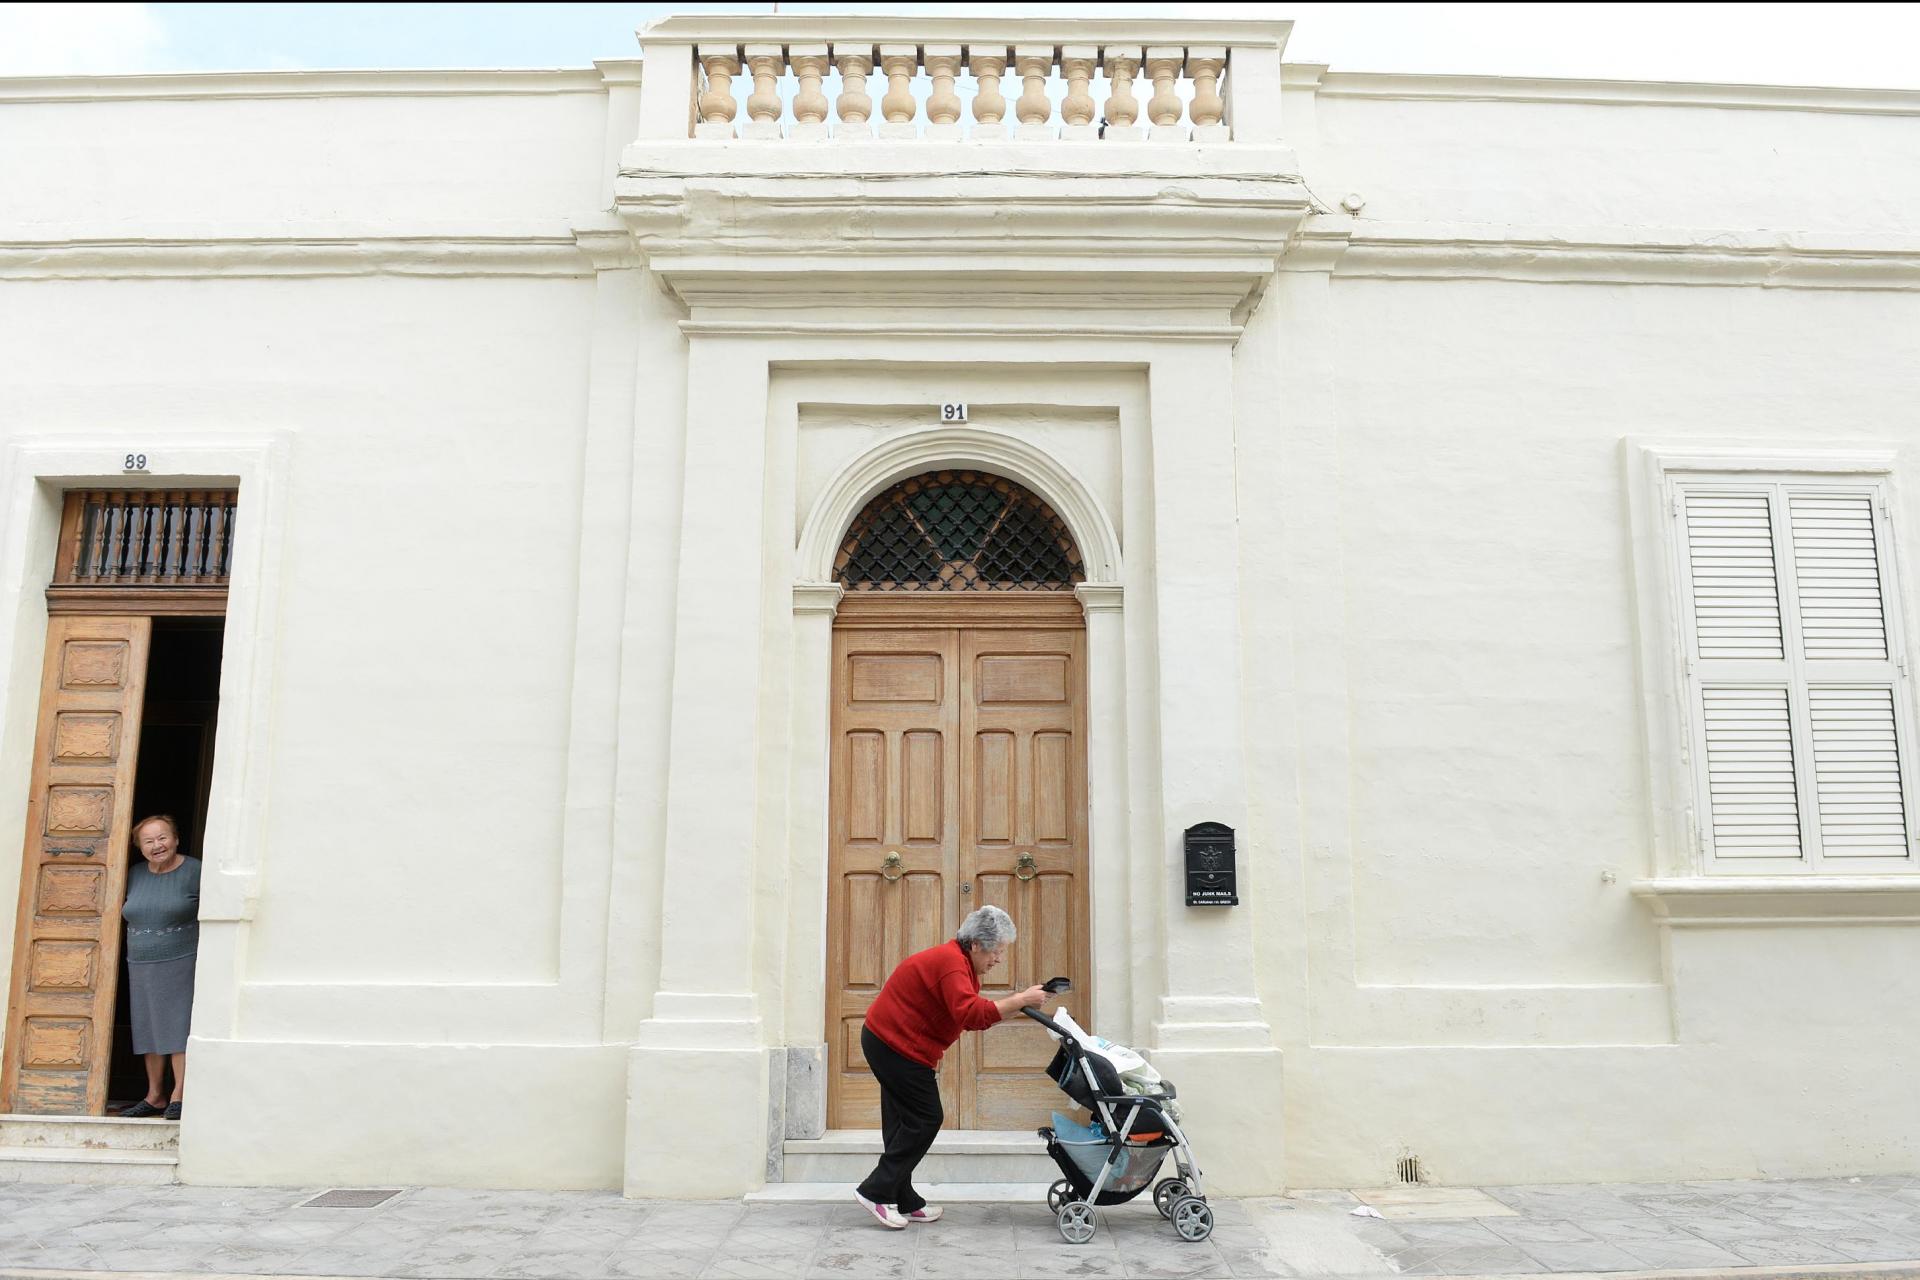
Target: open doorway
{"x":173,"y":775}
{"x":127,"y":709}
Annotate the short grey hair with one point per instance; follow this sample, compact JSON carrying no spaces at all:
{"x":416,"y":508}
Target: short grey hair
{"x":988,"y":928}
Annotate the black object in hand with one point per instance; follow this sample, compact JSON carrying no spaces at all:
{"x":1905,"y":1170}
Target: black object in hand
{"x":1055,"y":986}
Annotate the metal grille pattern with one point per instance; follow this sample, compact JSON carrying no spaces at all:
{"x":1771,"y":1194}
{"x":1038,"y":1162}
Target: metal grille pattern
{"x":149,"y":537}
{"x":958,"y":531}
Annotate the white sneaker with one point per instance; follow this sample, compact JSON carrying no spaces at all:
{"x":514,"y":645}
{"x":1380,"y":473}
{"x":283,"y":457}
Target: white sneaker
{"x":887,"y":1215}
{"x":925,"y":1213}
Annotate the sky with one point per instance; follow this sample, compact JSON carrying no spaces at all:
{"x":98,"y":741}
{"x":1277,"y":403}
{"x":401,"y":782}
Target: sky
{"x":1852,"y":45}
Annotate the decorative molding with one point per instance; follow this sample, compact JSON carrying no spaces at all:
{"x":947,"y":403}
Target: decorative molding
{"x":543,"y":249}
{"x":817,"y":597}
{"x":1227,"y":333}
{"x":915,"y":451}
{"x":609,"y":247}
{"x":1622,"y":255}
{"x":874,"y":29}
{"x":321,"y":84}
{"x":1625,"y":93}
{"x":1101,"y":597}
{"x":1787,"y":899}
{"x":1658,"y":459}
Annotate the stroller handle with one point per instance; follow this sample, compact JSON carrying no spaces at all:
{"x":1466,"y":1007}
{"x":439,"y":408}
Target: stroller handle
{"x":1046,"y":1022}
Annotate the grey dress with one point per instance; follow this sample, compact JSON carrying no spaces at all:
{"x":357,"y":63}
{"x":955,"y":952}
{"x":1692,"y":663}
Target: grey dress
{"x":163,"y":935}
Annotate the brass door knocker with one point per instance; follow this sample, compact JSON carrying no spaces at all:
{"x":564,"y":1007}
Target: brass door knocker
{"x":1025,"y":868}
{"x":890,"y":867}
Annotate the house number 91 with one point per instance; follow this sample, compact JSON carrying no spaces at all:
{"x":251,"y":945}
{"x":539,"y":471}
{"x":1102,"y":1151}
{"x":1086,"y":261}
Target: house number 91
{"x":953,"y":412}
{"x":135,"y":462}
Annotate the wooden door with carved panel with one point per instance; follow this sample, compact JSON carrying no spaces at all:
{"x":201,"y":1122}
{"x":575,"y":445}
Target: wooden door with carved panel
{"x":67,"y":951}
{"x":958,"y":778}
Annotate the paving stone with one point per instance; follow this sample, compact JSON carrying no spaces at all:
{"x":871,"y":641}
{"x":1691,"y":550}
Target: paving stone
{"x":1526,"y":1232}
{"x":1592,"y":1255}
{"x":1680,"y":1254}
{"x":1774,"y":1252}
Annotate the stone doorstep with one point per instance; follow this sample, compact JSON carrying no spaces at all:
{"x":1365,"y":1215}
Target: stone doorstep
{"x":83,"y":1149}
{"x":100,"y":1133}
{"x":959,"y":1157}
{"x":1415,"y":1202}
{"x":935,"y":1193}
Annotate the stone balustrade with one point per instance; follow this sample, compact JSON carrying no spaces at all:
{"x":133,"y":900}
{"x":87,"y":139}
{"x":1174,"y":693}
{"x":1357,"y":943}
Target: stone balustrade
{"x":848,"y":79}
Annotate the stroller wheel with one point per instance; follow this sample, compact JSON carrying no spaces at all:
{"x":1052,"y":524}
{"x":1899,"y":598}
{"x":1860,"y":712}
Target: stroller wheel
{"x":1165,"y":1192}
{"x":1192,"y":1219}
{"x":1076,"y":1222}
{"x":1059,"y":1193}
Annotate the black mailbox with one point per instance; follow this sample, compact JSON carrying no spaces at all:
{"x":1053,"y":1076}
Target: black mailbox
{"x":1210,"y":875}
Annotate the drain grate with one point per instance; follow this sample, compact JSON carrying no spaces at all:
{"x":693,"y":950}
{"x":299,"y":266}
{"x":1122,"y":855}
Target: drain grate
{"x":1410,"y":1170}
{"x":349,"y":1198}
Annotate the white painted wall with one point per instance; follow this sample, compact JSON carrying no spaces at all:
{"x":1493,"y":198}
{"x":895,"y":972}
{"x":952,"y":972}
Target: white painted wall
{"x":1440,"y":676}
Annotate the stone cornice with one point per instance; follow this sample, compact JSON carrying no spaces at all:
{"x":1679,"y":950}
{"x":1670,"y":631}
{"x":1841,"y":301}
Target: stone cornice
{"x":808,"y":28}
{"x":332,"y":249}
{"x":1630,"y":93}
{"x":322,"y":84}
{"x":1608,"y":255}
{"x":1190,"y":230}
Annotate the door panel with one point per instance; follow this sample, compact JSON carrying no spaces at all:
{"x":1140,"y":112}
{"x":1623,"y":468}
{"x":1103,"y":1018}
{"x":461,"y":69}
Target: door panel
{"x":1021,"y":710}
{"x":893,"y":792}
{"x":960,"y":749}
{"x":67,"y":944}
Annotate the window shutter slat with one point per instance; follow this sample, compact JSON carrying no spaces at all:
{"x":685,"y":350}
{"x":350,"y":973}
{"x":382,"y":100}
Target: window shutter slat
{"x":1838,"y":573}
{"x":1754,"y":807}
{"x":1856,"y":769}
{"x":1736,"y":604}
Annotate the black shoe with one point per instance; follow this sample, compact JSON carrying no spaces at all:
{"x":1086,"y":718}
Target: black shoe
{"x":141,"y":1110}
{"x":173,"y":1111}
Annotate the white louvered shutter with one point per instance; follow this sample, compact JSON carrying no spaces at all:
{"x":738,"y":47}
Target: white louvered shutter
{"x":1795,"y":675}
{"x":1741,"y":691}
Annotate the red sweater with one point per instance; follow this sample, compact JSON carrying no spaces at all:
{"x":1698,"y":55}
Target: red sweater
{"x":928,"y":1001}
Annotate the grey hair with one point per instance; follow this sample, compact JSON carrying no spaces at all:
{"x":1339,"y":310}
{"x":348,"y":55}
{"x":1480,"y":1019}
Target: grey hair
{"x":988,"y":928}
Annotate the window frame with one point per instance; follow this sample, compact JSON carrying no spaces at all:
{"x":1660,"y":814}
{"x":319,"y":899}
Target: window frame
{"x":1671,"y":682}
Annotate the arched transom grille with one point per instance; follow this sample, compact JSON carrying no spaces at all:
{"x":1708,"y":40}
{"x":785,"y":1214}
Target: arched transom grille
{"x":958,"y":531}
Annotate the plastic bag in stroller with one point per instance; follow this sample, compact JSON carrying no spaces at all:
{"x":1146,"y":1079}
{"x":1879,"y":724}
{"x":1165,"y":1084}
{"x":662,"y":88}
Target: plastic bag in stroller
{"x":1115,"y":1158}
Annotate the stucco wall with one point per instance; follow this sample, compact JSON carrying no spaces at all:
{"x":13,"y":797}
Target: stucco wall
{"x":459,"y":897}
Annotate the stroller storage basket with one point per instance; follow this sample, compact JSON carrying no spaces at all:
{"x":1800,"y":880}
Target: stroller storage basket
{"x":1133,"y":1166}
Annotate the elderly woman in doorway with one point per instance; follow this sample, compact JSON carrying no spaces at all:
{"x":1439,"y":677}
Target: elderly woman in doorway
{"x":163,"y":934}
{"x":928,"y":1001}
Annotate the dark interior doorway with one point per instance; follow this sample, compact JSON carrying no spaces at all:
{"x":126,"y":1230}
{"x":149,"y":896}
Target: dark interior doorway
{"x":173,"y":774}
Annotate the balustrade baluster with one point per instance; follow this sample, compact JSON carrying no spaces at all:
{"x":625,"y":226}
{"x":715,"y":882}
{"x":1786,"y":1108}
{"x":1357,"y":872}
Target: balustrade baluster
{"x":717,"y":107}
{"x":1123,"y":109}
{"x":855,"y":103}
{"x":809,"y":63}
{"x":943,"y":104}
{"x":765,"y":62}
{"x":1205,"y":65}
{"x":1163,"y":68}
{"x":898,"y":62}
{"x":989,"y":103}
{"x":1033,"y":64}
{"x":1077,"y":109}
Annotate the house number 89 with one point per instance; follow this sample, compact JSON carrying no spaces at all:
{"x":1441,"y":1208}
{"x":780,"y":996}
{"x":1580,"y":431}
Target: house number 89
{"x":135,"y":462}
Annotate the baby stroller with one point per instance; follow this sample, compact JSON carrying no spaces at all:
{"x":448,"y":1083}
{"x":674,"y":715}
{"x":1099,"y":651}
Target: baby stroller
{"x":1116,"y":1162}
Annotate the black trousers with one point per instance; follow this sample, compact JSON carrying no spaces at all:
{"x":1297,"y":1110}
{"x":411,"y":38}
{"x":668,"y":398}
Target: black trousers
{"x":910,"y":1117}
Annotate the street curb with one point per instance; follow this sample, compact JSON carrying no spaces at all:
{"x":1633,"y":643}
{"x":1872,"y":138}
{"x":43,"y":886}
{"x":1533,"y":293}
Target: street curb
{"x":1830,"y":1271}
{"x":1796,"y":1271}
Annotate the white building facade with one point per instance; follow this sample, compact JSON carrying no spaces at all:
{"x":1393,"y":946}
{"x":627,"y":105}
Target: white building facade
{"x":1484,"y":496}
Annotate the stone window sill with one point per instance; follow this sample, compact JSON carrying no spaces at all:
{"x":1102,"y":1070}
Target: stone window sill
{"x":1782,"y":900}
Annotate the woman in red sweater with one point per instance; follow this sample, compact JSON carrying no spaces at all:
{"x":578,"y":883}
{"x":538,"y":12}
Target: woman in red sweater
{"x":928,"y":1001}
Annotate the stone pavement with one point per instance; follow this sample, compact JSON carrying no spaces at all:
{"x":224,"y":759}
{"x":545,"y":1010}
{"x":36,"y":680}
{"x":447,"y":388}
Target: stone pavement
{"x":1823,"y":1227}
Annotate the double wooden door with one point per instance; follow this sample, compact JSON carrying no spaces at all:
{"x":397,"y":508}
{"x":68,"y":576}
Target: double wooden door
{"x":958,"y":780}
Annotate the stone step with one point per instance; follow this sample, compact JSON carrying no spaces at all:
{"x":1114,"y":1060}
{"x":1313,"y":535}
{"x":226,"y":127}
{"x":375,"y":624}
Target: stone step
{"x":92,"y":1133}
{"x":935,"y":1193}
{"x":965,"y":1157}
{"x":86,"y":1164}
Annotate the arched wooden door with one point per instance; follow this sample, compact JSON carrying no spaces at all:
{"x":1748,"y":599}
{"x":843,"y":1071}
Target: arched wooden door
{"x":958,"y":774}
